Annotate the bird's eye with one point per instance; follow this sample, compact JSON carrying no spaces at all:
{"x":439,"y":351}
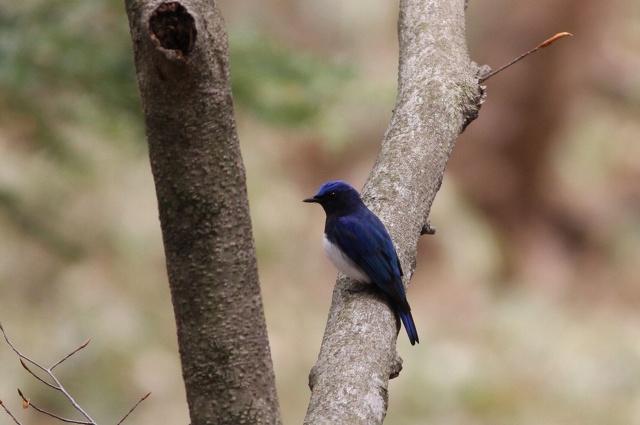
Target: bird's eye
{"x":332,"y":195}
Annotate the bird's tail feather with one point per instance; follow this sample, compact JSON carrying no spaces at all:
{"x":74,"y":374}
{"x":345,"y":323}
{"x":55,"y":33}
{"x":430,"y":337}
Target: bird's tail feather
{"x":407,"y":321}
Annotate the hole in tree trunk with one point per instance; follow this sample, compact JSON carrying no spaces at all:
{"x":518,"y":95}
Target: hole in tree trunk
{"x":173,"y":27}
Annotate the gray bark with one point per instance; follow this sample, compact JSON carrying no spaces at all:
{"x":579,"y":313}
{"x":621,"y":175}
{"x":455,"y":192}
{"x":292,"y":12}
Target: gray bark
{"x":181,"y":58}
{"x":438,"y":95}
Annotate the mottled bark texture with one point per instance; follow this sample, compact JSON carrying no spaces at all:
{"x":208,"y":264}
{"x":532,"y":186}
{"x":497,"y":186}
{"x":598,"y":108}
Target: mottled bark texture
{"x":181,"y":57}
{"x":438,"y":95}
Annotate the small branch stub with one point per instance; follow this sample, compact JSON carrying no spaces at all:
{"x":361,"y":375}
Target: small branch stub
{"x":173,"y":28}
{"x":427,"y":229}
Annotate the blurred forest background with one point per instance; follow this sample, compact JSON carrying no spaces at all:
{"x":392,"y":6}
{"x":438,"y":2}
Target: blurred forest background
{"x":526,"y":299}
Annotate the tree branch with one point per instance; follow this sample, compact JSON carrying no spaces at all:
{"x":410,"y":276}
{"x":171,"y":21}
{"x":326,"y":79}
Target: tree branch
{"x":438,"y":95}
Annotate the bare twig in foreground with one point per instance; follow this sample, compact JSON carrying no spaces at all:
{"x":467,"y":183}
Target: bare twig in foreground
{"x":26,"y":403}
{"x":56,"y":385}
{"x":6,"y":409}
{"x":144,"y":397}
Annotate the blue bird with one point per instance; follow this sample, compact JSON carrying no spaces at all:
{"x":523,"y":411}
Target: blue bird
{"x":358,"y":244}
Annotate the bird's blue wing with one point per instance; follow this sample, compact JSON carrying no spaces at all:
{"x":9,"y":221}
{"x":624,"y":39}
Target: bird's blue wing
{"x":364,"y":239}
{"x":366,"y":242}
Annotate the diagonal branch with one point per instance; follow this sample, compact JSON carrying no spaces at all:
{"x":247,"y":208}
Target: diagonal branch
{"x":438,"y":95}
{"x":15,"y":350}
{"x":144,"y":397}
{"x":24,"y":365}
{"x":27,"y":403}
{"x":542,"y":45}
{"x":84,"y":344}
{"x":6,"y":409}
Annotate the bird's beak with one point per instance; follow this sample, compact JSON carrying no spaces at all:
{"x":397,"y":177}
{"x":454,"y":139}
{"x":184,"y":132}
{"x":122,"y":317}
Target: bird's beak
{"x":312,"y":199}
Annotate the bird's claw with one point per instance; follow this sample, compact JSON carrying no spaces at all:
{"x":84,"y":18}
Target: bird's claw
{"x":358,"y":287}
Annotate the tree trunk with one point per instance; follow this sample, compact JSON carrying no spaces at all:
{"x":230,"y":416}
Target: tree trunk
{"x":438,"y":95}
{"x":181,"y":58}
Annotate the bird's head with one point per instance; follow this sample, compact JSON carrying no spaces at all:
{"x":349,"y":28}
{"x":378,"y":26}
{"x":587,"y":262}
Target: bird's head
{"x":337,"y":197}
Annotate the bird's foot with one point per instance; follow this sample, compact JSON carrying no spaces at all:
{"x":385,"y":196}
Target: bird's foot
{"x":358,"y":287}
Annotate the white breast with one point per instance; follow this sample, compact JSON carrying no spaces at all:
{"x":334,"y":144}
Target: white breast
{"x":343,"y":263}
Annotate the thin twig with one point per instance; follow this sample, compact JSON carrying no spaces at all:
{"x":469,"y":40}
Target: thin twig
{"x":24,"y":365}
{"x":71,"y":400}
{"x":84,"y":344}
{"x":522,"y":56}
{"x":58,"y":386}
{"x":144,"y":397}
{"x":27,"y":403}
{"x":15,"y":350}
{"x":9,"y":413}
